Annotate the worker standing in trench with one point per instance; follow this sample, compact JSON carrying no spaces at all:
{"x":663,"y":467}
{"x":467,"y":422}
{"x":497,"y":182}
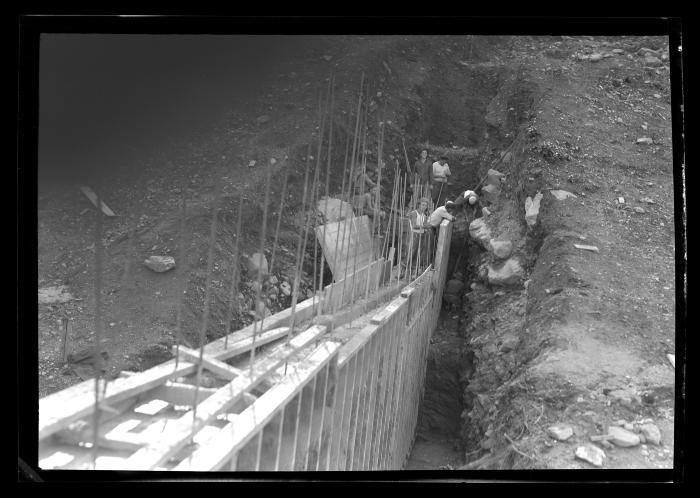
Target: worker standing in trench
{"x":418,"y":219}
{"x":469,"y":202}
{"x":421,"y":173}
{"x":441,"y":172}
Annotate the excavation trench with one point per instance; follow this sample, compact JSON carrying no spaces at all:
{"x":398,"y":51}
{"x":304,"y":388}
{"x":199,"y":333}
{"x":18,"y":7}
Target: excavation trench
{"x":474,"y":117}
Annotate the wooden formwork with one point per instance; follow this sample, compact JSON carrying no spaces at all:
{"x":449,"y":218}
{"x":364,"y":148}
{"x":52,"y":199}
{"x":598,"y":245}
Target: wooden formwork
{"x":332,"y":407}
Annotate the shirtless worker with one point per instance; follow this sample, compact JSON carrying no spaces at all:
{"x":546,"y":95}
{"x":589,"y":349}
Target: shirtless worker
{"x":441,"y":172}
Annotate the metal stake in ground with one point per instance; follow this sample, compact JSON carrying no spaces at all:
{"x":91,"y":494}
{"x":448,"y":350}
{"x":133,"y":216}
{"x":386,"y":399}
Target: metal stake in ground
{"x":235,"y":269}
{"x":183,"y":269}
{"x":207,"y":296}
{"x":97,"y":356}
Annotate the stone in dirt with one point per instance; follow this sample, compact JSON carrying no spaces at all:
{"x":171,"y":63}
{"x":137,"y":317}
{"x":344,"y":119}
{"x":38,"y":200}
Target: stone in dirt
{"x":502,"y":249}
{"x":560,"y":195}
{"x":532,"y":209}
{"x":651,"y":60}
{"x":55,"y":294}
{"x":591,"y":454}
{"x":639,"y":210}
{"x":651,"y":433}
{"x":160,"y":264}
{"x":479,"y":231}
{"x":257,"y":263}
{"x":285,"y":288}
{"x":587,"y":248}
{"x":595,"y":57}
{"x":645,"y":140}
{"x":560,"y":432}
{"x":509,"y":273}
{"x":510,"y":342}
{"x":622,"y":437}
{"x":262,"y":119}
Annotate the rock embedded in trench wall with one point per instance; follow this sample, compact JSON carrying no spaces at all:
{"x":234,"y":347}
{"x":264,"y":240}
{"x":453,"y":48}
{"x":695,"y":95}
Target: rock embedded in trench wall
{"x":501,"y":249}
{"x":490,"y":193}
{"x":495,"y":177}
{"x":480,"y":231}
{"x":651,"y":433}
{"x":532,"y":209}
{"x":508,"y":273}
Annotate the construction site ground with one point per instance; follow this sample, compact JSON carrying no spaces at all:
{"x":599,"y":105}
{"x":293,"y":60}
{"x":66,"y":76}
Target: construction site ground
{"x":593,"y":329}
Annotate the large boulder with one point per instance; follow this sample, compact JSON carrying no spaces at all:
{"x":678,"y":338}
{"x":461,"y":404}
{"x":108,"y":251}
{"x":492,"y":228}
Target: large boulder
{"x":495,"y":177}
{"x":257,"y":263}
{"x":490,"y":193}
{"x":651,"y":433}
{"x":480,"y":231}
{"x":501,"y":249}
{"x":160,"y":264}
{"x":532,"y":209}
{"x":334,"y":209}
{"x":508,"y":273}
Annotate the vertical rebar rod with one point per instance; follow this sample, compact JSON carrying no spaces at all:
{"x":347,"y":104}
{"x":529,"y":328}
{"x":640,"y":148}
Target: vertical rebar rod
{"x":314,"y":193}
{"x":207,"y":297}
{"x":260,"y":311}
{"x":97,"y":356}
{"x":299,"y":255}
{"x":362,"y":201}
{"x":182,"y":281}
{"x":283,"y":196}
{"x":353,"y":165}
{"x":327,"y":186}
{"x":235,"y":268}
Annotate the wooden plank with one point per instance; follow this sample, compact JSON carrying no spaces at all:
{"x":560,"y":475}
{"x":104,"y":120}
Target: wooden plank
{"x":353,"y":374}
{"x":304,"y":428}
{"x":217,"y":351}
{"x":368,"y":412}
{"x":178,"y":433}
{"x":338,"y":412}
{"x":317,"y":412}
{"x":179,"y":394}
{"x":90,"y":194}
{"x":382,"y":372}
{"x":289,"y":428}
{"x":233,"y":436}
{"x":372,"y":411}
{"x":328,"y":413}
{"x":219,"y":368}
{"x":270,"y":442}
{"x":57,"y":411}
{"x":356,"y":394}
{"x":386,"y":313}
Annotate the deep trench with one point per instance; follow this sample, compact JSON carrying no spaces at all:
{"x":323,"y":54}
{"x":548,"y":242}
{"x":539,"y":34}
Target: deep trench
{"x":456,"y":116}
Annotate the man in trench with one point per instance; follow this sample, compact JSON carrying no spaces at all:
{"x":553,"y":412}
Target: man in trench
{"x":420,"y":176}
{"x":469,"y":202}
{"x":441,"y":213}
{"x":440,"y":172}
{"x":417,"y":249}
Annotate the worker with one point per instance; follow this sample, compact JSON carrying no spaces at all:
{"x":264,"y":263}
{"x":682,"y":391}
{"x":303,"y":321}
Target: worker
{"x":365,"y":190}
{"x":421,"y":174}
{"x":441,"y":172}
{"x":418,"y":219}
{"x":469,"y":201}
{"x":436,"y":217}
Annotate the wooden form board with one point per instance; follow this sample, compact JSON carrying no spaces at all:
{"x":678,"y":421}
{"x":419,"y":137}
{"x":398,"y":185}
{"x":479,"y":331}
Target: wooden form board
{"x":346,"y":245}
{"x":357,"y":411}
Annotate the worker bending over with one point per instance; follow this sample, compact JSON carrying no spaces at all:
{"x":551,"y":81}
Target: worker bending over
{"x":442,"y":213}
